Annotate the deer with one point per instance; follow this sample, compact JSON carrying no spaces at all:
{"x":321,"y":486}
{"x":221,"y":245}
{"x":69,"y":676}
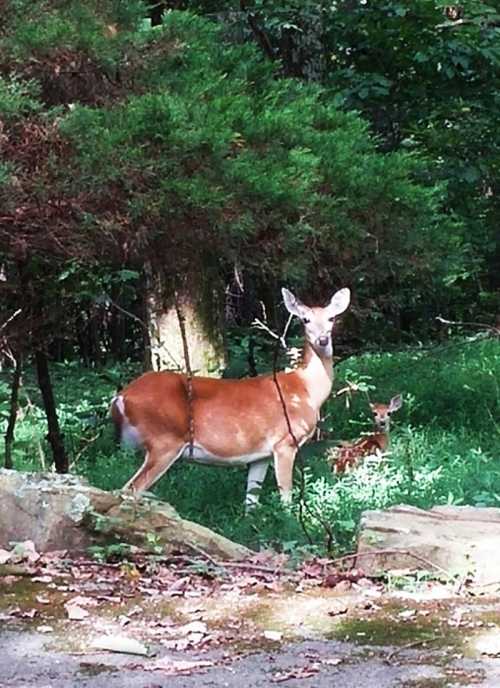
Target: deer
{"x":233,"y":422}
{"x":349,"y":454}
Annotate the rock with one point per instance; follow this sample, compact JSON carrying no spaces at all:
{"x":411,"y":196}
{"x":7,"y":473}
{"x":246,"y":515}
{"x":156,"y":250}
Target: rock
{"x":460,"y":540}
{"x":65,"y":512}
{"x":486,"y":643}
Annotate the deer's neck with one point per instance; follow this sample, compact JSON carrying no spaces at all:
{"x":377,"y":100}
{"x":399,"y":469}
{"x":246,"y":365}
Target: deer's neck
{"x":317,"y":373}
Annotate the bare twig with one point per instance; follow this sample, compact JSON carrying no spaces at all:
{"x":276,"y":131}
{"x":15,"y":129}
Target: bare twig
{"x":204,"y":554}
{"x":302,"y":501}
{"x":31,"y":409}
{"x":404,"y":552}
{"x":453,"y":24}
{"x":13,"y":409}
{"x":494,"y":329}
{"x":189,"y":373}
{"x":409,"y":646}
{"x":124,"y":311}
{"x":253,"y":567}
{"x":493,"y":420}
{"x":10,"y":319}
{"x":350,"y":387}
{"x":89,"y":442}
{"x":260,"y":35}
{"x":261,"y":568}
{"x":260,"y":325}
{"x":489,"y":585}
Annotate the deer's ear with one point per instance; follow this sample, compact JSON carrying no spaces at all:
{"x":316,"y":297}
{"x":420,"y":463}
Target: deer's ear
{"x":339,"y":302}
{"x":395,"y":403}
{"x":293,"y":305}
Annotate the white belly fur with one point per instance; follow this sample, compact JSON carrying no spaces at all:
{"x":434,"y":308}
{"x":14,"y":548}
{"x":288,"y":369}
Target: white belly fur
{"x":200,"y":455}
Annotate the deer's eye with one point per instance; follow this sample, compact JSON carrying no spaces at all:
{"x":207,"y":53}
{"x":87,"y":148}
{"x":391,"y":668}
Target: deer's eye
{"x":305,"y":321}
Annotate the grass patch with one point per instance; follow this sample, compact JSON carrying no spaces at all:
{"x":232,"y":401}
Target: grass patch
{"x":445,"y":445}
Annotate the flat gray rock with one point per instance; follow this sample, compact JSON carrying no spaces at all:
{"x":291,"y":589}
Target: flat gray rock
{"x":65,"y":512}
{"x":461,"y":540}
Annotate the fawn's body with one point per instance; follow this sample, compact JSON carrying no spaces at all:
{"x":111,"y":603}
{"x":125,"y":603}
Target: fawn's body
{"x":351,"y":453}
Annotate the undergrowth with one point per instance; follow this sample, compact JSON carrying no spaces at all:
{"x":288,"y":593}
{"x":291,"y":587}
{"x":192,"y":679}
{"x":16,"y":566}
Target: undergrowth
{"x":445,"y":446}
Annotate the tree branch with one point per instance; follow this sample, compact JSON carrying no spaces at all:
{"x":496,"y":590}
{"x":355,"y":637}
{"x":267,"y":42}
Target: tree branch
{"x":260,"y":35}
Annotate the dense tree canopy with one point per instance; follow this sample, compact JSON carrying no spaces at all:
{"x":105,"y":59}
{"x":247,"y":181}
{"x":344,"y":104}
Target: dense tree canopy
{"x":128,"y":142}
{"x":426,"y":76}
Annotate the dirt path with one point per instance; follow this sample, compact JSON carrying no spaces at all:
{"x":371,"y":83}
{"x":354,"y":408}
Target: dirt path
{"x":28,"y":660}
{"x":171,"y":627}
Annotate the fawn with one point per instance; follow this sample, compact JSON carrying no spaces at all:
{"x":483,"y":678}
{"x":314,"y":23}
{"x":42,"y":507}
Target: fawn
{"x":349,"y":454}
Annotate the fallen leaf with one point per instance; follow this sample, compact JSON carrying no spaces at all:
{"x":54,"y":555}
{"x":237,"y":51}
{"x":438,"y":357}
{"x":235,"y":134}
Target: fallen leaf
{"x":45,"y":629}
{"x":343,"y":586}
{"x":193,"y":627}
{"x":42,"y":579}
{"x":179,"y":587}
{"x":332,"y":661}
{"x":273,"y":635}
{"x":42,"y":600}
{"x":75,"y":612}
{"x":331,"y":580}
{"x":121,"y":643}
{"x":300,"y":672}
{"x":338,"y":609}
{"x":176,"y":667}
{"x":82,"y":601}
{"x":24,"y":551}
{"x":4,"y":556}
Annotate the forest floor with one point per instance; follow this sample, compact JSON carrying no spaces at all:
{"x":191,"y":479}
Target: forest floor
{"x":180,"y":622}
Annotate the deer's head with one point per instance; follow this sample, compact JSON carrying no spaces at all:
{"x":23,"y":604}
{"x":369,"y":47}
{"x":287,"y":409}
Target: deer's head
{"x":318,"y":322}
{"x":382,"y":413}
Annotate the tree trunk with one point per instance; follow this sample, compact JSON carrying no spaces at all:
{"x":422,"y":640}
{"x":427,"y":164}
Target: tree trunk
{"x":13,"y":407}
{"x":54,"y":435}
{"x":201,"y":324}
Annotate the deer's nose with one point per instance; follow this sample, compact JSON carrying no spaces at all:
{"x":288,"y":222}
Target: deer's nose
{"x":323,"y":341}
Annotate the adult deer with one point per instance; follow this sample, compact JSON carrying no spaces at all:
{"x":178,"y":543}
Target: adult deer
{"x":233,"y":422}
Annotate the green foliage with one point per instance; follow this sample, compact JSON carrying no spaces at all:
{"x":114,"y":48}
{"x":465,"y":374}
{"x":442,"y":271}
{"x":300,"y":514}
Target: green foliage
{"x":181,"y":148}
{"x":426,"y":75}
{"x":118,"y":551}
{"x":18,"y":97}
{"x":269,"y":172}
{"x":98,"y":28}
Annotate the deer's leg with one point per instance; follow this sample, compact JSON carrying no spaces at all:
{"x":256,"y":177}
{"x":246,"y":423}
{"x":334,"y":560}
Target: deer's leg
{"x":284,"y":457}
{"x":156,"y":462}
{"x":256,"y":476}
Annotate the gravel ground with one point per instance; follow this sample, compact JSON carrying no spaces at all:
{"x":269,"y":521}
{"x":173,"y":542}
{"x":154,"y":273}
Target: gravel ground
{"x":27,"y":659}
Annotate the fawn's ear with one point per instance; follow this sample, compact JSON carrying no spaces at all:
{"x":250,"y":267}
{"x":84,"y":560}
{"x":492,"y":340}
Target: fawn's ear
{"x":339,"y":302}
{"x":395,"y":403}
{"x":293,"y":305}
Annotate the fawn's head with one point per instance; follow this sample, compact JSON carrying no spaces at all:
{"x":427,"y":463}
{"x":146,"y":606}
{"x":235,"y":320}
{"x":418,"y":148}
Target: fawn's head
{"x":382,"y":413}
{"x":318,"y":322}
